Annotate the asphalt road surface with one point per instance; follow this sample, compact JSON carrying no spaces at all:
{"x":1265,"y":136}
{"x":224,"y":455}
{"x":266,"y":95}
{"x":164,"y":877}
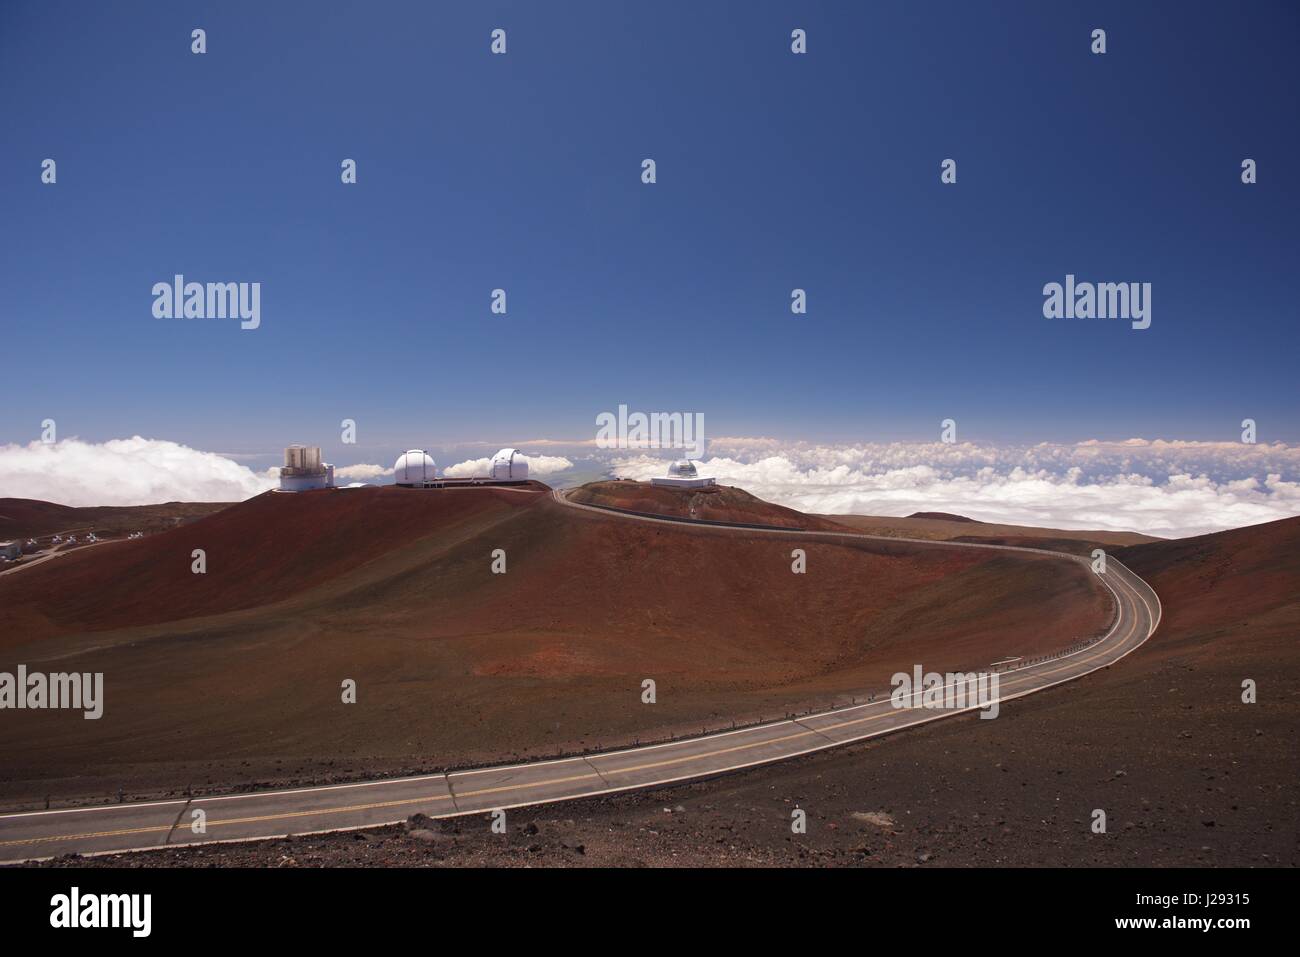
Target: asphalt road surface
{"x":118,"y":827}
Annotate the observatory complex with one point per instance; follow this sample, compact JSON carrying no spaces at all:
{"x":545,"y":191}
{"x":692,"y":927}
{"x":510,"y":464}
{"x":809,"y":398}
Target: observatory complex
{"x":682,"y":474}
{"x":303,"y":470}
{"x":415,"y":469}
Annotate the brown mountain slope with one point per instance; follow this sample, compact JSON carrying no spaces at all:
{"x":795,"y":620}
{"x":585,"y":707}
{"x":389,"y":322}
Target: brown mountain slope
{"x":942,"y":527}
{"x":941,"y":516}
{"x":27,"y":518}
{"x":1187,"y":774}
{"x":1244,"y":582}
{"x":456,"y":664}
{"x":714,"y":503}
{"x":257,"y":552}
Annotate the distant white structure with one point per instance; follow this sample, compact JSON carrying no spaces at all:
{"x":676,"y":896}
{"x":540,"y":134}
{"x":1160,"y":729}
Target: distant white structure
{"x":414,"y":469}
{"x":508,"y":465}
{"x":682,"y":474}
{"x":303,"y":470}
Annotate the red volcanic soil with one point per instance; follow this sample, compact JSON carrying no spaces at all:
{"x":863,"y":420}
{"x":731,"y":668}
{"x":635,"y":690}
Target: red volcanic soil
{"x":716,"y":503}
{"x":258,"y":552}
{"x":940,"y":526}
{"x":23,"y":518}
{"x":1220,"y":581}
{"x":234,"y":677}
{"x":1187,"y":773}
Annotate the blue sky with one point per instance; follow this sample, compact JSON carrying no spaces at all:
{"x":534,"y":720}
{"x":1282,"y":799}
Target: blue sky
{"x":522,"y":171}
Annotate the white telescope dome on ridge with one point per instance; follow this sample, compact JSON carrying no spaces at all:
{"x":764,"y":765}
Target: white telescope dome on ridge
{"x":414,"y":467}
{"x":508,"y":465}
{"x":683,"y":474}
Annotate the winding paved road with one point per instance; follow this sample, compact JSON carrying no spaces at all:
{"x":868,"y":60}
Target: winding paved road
{"x":119,"y":827}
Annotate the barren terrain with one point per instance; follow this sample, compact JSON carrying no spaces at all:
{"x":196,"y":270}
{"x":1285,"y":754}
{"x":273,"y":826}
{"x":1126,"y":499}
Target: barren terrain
{"x":957,"y":528}
{"x":715,"y":503}
{"x":232,"y":679}
{"x":22,"y":518}
{"x":1186,"y":773}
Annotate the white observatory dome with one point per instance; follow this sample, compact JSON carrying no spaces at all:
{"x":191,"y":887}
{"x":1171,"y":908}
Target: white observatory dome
{"x":508,"y":466}
{"x":414,"y":467}
{"x":682,"y":468}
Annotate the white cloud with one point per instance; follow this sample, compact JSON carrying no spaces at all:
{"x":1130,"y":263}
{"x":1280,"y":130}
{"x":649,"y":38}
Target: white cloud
{"x":1167,"y":488}
{"x":1162,"y":487}
{"x":362,"y":471}
{"x":134,"y":471}
{"x":537,"y":465}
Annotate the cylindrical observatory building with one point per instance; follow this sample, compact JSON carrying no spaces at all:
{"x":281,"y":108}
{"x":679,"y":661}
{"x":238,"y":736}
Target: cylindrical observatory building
{"x":303,"y":470}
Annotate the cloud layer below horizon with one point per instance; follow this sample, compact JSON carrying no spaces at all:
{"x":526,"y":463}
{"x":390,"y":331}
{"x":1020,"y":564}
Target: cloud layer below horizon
{"x":140,"y":471}
{"x":134,"y":471}
{"x":1166,"y":488}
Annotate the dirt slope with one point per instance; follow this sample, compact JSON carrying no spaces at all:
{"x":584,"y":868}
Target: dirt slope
{"x":23,"y":518}
{"x":258,"y":552}
{"x":1244,"y":577}
{"x":716,"y":503}
{"x":236,"y":676}
{"x":1187,"y":774}
{"x":941,"y":526}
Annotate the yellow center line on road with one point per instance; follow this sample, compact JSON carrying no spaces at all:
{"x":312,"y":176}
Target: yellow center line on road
{"x":535,"y":784}
{"x":235,"y":820}
{"x":548,"y":782}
